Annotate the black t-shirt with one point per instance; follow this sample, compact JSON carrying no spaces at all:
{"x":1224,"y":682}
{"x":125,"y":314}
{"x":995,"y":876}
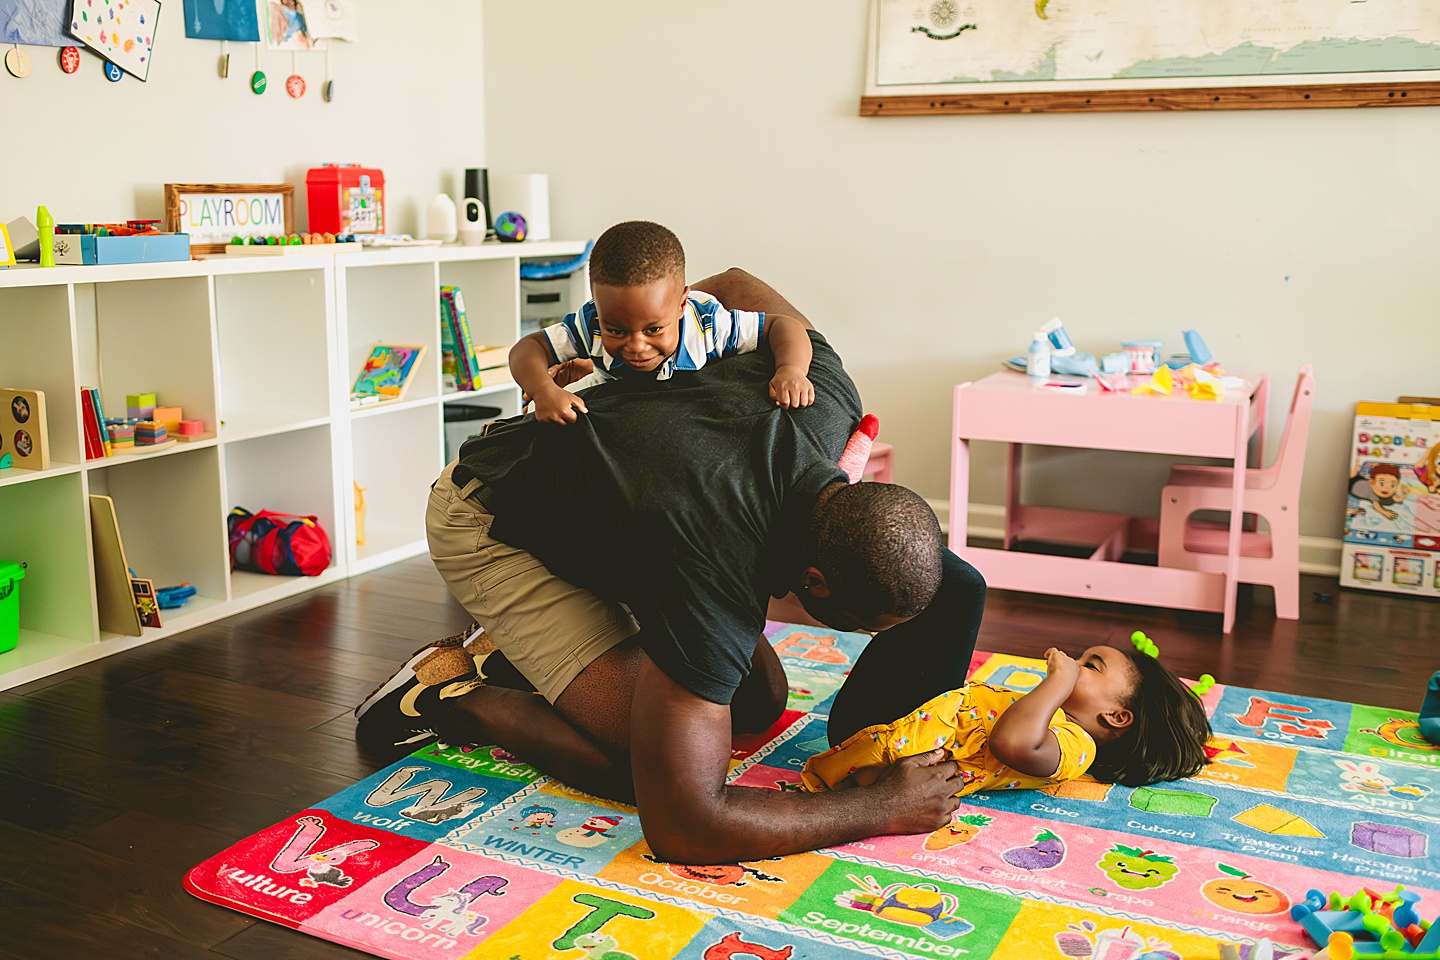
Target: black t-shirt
{"x":686,"y":499}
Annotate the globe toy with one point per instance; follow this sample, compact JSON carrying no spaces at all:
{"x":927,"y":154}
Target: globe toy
{"x":510,"y":227}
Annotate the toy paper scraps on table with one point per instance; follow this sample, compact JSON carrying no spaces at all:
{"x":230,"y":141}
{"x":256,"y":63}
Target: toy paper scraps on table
{"x":1202,"y":383}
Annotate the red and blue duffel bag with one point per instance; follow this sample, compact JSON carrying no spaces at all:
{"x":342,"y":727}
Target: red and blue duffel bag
{"x":282,"y":543}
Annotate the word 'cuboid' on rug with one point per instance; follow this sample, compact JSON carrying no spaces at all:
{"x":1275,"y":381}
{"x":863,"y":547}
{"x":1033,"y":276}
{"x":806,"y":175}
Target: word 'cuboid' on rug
{"x":466,"y":852}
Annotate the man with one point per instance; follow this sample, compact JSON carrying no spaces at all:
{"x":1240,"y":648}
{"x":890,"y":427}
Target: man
{"x":688,"y":502}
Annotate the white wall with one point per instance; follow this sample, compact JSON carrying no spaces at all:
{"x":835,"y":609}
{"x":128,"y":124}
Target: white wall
{"x":409,"y":100}
{"x":929,"y":248}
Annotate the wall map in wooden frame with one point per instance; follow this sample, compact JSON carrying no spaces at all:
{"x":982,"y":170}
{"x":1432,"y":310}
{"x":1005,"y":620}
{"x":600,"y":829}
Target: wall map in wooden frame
{"x":1000,"y":56}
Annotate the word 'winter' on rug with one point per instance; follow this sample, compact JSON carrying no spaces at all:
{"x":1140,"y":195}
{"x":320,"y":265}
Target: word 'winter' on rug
{"x":467,"y":852}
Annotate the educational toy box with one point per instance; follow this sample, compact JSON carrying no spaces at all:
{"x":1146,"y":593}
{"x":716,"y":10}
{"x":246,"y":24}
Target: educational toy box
{"x":88,"y":248}
{"x":346,"y":198}
{"x":1392,"y":506}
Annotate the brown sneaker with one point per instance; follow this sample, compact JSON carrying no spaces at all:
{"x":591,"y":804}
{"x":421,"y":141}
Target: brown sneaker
{"x":401,"y":711}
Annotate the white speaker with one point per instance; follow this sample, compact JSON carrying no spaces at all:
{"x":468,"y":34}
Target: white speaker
{"x":528,"y":194}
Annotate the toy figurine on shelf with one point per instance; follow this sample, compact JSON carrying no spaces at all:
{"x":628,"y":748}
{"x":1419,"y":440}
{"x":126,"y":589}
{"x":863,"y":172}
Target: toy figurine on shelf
{"x":359,"y":515}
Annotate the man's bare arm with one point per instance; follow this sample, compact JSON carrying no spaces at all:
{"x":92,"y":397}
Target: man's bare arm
{"x":680,"y":754}
{"x":738,"y":290}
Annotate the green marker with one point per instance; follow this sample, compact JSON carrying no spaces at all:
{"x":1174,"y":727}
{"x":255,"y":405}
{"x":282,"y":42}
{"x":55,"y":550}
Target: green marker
{"x":45,"y":224}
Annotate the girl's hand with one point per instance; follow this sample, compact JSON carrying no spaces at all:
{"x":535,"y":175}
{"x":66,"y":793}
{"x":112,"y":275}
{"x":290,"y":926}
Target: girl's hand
{"x":564,"y":374}
{"x":1060,"y":666}
{"x":791,"y":388}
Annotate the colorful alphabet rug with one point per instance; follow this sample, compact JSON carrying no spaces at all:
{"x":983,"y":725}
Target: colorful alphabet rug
{"x":466,"y":852}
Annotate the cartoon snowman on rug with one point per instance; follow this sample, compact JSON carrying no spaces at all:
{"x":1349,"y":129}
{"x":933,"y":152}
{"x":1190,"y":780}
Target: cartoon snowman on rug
{"x":591,"y":833}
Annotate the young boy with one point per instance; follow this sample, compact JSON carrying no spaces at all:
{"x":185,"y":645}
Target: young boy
{"x":644,"y":321}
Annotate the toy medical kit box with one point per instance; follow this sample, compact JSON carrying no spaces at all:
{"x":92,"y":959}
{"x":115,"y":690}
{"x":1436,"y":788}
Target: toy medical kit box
{"x":346,"y":198}
{"x":87,"y":248}
{"x":1392,"y":504}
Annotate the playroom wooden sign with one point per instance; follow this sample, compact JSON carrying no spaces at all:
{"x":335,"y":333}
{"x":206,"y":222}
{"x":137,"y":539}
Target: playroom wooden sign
{"x":213,"y":214}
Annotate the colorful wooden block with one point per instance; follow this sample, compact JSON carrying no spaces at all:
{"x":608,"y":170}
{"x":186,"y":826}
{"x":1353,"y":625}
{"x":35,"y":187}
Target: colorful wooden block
{"x":169,"y":416}
{"x":139,"y":413}
{"x":148,"y":433}
{"x":140,"y":400}
{"x":189,"y":428}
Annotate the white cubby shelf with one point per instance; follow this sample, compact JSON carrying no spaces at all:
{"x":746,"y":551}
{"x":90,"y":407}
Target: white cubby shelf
{"x":264,"y":351}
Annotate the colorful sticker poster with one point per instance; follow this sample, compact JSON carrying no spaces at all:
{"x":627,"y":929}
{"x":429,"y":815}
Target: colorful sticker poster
{"x":121,"y":31}
{"x":222,"y":20}
{"x":37,"y":22}
{"x":330,"y":18}
{"x":285,"y":25}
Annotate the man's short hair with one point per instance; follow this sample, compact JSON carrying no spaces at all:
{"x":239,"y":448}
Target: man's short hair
{"x":1385,"y":470}
{"x":880,"y":548}
{"x":636,"y":252}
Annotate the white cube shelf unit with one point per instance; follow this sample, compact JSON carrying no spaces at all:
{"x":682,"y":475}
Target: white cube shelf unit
{"x":264,"y":351}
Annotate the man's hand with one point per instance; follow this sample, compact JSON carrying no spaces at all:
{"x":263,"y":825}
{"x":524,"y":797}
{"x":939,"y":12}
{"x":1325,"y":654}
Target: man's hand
{"x":564,"y":374}
{"x":1060,"y":666}
{"x":791,"y":388}
{"x":920,"y":792}
{"x":557,"y":405}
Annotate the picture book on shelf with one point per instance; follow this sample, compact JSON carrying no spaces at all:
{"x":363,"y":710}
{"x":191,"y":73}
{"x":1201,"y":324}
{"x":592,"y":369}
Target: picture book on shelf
{"x":387,"y":372}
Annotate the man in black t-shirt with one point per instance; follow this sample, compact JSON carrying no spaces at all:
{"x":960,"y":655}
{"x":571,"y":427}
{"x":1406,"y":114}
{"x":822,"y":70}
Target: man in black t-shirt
{"x":621,"y":565}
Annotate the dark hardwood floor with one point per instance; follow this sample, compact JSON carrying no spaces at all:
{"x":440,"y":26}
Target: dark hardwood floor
{"x":118,"y":776}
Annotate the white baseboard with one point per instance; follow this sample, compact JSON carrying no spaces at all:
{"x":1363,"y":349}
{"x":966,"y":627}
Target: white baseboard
{"x":1318,"y":555}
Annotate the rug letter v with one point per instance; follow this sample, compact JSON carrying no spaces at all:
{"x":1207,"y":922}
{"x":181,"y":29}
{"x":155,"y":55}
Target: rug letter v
{"x":295,"y":856}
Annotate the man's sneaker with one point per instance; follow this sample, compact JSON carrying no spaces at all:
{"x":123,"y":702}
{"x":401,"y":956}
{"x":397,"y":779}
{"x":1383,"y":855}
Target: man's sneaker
{"x":404,"y":709}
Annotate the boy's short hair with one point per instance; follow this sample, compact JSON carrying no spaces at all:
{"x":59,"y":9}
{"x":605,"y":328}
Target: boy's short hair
{"x":880,"y":548}
{"x":636,"y":252}
{"x":1385,"y":470}
{"x":1166,"y":740}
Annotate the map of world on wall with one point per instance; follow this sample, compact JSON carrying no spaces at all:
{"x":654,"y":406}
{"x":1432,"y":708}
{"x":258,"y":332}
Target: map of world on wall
{"x":1034,"y":44}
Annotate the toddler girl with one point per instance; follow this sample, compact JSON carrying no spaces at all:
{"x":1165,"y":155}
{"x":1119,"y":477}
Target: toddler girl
{"x":1122,"y":717}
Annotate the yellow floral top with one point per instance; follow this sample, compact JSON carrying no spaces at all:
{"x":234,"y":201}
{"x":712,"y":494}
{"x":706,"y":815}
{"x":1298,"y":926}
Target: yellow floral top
{"x":960,"y":721}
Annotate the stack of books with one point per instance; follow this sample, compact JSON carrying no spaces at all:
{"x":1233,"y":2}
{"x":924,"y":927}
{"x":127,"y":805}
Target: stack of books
{"x":464,"y":365}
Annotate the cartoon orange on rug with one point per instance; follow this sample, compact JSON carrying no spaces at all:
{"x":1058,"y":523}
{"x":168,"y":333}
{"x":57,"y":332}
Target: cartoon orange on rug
{"x":1238,"y":892}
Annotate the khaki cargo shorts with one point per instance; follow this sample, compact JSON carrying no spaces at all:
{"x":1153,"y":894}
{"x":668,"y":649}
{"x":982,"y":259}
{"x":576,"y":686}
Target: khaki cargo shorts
{"x":548,"y":628}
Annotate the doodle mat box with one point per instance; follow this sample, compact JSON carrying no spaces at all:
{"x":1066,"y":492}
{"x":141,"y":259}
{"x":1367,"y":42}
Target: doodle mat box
{"x":1396,"y":549}
{"x":469,"y":853}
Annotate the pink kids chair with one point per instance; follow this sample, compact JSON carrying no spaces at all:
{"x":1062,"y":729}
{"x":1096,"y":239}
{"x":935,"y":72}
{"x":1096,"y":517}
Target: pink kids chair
{"x":1273,"y":493}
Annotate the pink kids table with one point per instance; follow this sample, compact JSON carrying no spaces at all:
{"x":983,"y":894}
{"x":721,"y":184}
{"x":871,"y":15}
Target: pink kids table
{"x":1009,"y":408}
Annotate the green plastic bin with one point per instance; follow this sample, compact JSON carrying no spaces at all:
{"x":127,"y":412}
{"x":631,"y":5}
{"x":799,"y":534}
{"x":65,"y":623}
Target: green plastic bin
{"x":11,"y":574}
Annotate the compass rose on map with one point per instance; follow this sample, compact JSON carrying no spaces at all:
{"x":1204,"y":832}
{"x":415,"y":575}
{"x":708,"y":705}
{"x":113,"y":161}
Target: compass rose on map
{"x":944,"y":15}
